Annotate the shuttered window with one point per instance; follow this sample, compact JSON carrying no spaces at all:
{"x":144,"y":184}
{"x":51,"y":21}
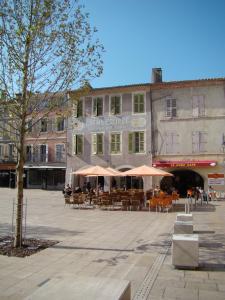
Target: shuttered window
{"x":198,"y":104}
{"x":60,"y":152}
{"x":139,"y":103}
{"x":78,"y":109}
{"x":60,"y":124}
{"x":98,"y":106}
{"x":97,"y":143}
{"x":44,"y":124}
{"x":172,"y":142}
{"x":115,"y":143}
{"x":199,"y":141}
{"x":115,"y":105}
{"x":29,"y":154}
{"x":78,"y":144}
{"x":136,"y":142}
{"x":171,"y":108}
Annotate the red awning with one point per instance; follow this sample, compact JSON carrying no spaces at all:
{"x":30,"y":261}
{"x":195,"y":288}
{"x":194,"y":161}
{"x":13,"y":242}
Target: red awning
{"x":184,"y":163}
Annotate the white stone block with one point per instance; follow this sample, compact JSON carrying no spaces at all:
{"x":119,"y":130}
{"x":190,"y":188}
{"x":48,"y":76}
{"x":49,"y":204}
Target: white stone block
{"x":183,"y":227}
{"x":185,"y":250}
{"x":185,"y":217}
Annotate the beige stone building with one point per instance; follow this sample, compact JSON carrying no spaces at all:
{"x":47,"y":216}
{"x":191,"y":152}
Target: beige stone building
{"x":188,"y":129}
{"x":177,"y":126}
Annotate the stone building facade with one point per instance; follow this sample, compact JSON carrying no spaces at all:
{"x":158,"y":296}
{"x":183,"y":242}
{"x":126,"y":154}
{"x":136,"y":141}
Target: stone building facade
{"x":110,"y":127}
{"x":177,"y":126}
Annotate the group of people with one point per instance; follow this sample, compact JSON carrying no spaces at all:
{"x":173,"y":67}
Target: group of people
{"x":199,"y":193}
{"x":68,"y":191}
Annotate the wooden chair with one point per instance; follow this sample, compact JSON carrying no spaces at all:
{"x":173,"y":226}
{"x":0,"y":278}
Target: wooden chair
{"x":153,"y":203}
{"x":67,"y":200}
{"x":165,"y":203}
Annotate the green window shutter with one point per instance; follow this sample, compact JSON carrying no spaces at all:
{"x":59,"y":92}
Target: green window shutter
{"x":118,"y":143}
{"x":135,"y":108}
{"x":141,"y":103}
{"x":142,"y":141}
{"x":80,"y":108}
{"x":117,"y":105}
{"x":94,"y":143}
{"x":130,"y":142}
{"x":100,"y":143}
{"x":95,"y":107}
{"x":99,"y":107}
{"x":113,"y":106}
{"x":113,"y":143}
{"x":79,"y":142}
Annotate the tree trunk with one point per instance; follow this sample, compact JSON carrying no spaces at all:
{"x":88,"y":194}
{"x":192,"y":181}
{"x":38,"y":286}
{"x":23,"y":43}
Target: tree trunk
{"x":19,"y":203}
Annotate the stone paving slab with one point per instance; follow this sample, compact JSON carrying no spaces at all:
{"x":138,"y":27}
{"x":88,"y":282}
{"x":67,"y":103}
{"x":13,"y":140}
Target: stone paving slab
{"x":112,"y":244}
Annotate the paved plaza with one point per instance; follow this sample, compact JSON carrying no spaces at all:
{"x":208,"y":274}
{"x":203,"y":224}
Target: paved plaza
{"x":124,"y":245}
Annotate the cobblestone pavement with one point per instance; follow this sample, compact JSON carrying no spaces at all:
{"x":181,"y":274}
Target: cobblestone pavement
{"x":135,"y":246}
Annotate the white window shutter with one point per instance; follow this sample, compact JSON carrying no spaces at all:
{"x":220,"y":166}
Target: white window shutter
{"x":46,"y":152}
{"x":195,"y":106}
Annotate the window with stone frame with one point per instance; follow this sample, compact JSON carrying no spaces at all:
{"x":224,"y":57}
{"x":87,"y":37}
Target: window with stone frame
{"x":171,"y":142}
{"x":44,"y":124}
{"x":138,"y":103}
{"x":78,"y":144}
{"x":115,"y":105}
{"x":198,"y":106}
{"x":199,"y":141}
{"x":136,"y":142}
{"x":29,"y":153}
{"x":97,"y":143}
{"x":78,"y":108}
{"x":115,"y":143}
{"x":171,"y":108}
{"x":60,"y":124}
{"x":60,"y":152}
{"x":97,"y":106}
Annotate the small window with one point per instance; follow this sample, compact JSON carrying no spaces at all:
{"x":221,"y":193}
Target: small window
{"x":59,"y":152}
{"x":29,"y":153}
{"x":172,"y":142}
{"x":78,"y":109}
{"x":44,"y":124}
{"x":43,"y":153}
{"x":98,"y":106}
{"x":198,"y":103}
{"x":199,"y":141}
{"x":138,"y":103}
{"x":97,"y":143}
{"x":60,"y":124}
{"x":115,"y":143}
{"x":78,"y":144}
{"x":171,"y":108}
{"x":115,"y":105}
{"x":29,"y":126}
{"x":136,"y":142}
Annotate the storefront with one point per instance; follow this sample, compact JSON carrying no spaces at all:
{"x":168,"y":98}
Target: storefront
{"x":187,"y":174}
{"x":7,"y":175}
{"x":45,"y":177}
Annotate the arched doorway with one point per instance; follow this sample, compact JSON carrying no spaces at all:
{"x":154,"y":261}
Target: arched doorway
{"x":181,"y":181}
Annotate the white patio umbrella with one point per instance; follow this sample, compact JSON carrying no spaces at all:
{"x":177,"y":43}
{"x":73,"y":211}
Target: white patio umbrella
{"x":97,"y":171}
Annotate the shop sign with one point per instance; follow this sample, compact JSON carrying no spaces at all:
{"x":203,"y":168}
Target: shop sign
{"x":185,"y":164}
{"x":216,"y":179}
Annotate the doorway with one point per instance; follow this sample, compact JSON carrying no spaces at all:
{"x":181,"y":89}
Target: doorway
{"x":181,"y":181}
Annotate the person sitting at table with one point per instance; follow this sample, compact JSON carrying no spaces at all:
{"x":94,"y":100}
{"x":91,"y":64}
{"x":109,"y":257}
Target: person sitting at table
{"x":77,"y":189}
{"x":67,"y":191}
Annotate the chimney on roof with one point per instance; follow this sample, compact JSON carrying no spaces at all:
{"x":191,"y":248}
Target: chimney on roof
{"x":156,"y":75}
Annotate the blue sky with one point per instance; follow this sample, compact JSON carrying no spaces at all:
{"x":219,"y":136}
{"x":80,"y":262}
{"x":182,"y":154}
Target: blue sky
{"x":186,"y":38}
